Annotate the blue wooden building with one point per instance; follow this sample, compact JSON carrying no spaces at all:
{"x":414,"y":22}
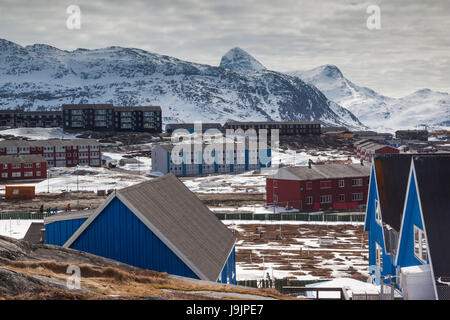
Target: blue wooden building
{"x":424,"y":237}
{"x":387,"y":188}
{"x":60,"y":227}
{"x":158,"y":225}
{"x":408,"y":218}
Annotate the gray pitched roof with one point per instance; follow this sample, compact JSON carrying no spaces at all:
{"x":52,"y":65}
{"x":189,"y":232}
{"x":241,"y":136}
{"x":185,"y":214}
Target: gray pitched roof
{"x":368,"y":144}
{"x":328,"y":171}
{"x":180,"y":220}
{"x":21,"y":159}
{"x":62,"y":216}
{"x":376,"y":147}
{"x":48,"y":143}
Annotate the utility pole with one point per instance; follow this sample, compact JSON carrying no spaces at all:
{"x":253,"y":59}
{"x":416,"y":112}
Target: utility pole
{"x":78,"y":191}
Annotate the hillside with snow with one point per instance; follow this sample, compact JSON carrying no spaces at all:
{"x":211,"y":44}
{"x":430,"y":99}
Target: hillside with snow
{"x":41,"y":77}
{"x":378,"y":111}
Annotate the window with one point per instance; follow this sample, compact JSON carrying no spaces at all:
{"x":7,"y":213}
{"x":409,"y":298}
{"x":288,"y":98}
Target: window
{"x":379,"y":255}
{"x":326,"y":198}
{"x":16,"y":174}
{"x":100,"y":124}
{"x":420,"y":245}
{"x":356,"y":182}
{"x":16,"y":166}
{"x":5,"y":175}
{"x":28,"y":174}
{"x":341,"y":197}
{"x":309,"y":200}
{"x":5,"y":166}
{"x":341,"y":183}
{"x":377,"y":212}
{"x":38,"y":165}
{"x":357,"y":196}
{"x":38,"y":173}
{"x":325,"y":184}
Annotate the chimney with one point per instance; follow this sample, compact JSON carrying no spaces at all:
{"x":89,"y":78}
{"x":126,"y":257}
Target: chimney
{"x":362,"y":162}
{"x":309,"y":163}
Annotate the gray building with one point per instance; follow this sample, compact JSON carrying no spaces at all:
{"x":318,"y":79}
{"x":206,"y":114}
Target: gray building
{"x":412,"y":135}
{"x":108,"y":118}
{"x":30,"y":119}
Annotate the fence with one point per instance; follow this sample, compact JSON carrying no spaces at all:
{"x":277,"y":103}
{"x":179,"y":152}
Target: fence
{"x":22,"y":215}
{"x":223,"y":216}
{"x":277,"y":284}
{"x":292,"y":217}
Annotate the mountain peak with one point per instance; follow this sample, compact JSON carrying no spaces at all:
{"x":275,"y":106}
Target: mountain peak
{"x":8,"y":44}
{"x":331,"y":71}
{"x":238,"y":59}
{"x":42,"y":48}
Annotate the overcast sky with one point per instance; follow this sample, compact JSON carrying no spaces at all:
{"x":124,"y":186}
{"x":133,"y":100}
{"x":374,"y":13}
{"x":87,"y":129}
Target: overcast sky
{"x":411,"y":51}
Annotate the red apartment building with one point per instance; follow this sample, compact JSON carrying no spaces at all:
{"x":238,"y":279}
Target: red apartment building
{"x":23,"y":167}
{"x":319,"y":187}
{"x":57,"y":153}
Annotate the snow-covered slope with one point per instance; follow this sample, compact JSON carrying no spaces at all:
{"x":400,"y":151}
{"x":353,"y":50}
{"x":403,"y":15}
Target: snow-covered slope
{"x":44,"y":77}
{"x":378,"y":111}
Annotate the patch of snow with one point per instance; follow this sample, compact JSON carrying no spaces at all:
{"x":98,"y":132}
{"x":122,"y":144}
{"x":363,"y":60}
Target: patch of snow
{"x":39,"y":133}
{"x":15,"y":228}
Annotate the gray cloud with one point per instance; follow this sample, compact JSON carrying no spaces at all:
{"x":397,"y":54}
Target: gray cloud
{"x":410,"y":52}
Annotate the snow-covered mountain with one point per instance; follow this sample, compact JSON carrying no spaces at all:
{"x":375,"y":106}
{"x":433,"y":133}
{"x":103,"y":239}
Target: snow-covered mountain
{"x":239,"y":60}
{"x":44,"y":77}
{"x":378,"y":111}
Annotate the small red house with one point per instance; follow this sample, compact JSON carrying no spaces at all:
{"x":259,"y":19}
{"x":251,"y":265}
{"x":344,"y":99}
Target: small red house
{"x":23,"y":168}
{"x":370,"y":151}
{"x":365,"y":149}
{"x":319,"y":187}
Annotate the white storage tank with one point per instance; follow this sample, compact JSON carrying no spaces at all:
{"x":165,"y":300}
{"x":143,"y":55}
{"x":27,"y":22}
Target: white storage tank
{"x":417,"y":283}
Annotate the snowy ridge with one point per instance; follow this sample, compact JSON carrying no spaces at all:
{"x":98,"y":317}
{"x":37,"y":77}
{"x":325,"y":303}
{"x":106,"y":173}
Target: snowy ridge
{"x":41,"y":77}
{"x":378,"y":111}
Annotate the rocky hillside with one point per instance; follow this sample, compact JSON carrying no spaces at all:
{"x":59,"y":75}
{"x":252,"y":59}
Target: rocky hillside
{"x":36,"y":271}
{"x":241,"y":88}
